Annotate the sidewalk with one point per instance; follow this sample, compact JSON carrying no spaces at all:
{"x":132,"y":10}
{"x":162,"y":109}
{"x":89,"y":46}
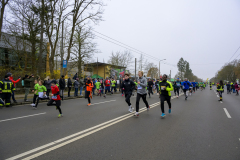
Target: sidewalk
{"x":20,"y":97}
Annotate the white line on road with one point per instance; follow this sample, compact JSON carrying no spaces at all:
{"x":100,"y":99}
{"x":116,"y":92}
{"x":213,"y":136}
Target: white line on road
{"x":217,"y":96}
{"x":102,"y":102}
{"x":76,"y":134}
{"x":22,"y":117}
{"x":228,"y":115}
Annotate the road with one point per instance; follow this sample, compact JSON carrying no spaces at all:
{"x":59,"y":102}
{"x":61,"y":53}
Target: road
{"x":199,"y":128}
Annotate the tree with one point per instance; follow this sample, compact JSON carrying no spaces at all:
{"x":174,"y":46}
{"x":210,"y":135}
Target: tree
{"x":54,"y":17}
{"x":188,"y":72}
{"x":152,"y":70}
{"x":181,"y":66}
{"x":83,"y":11}
{"x":3,"y":5}
{"x":83,"y":48}
{"x":123,"y":59}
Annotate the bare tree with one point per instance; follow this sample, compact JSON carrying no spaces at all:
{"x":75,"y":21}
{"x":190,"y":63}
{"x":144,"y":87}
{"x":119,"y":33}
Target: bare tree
{"x":152,"y":70}
{"x":83,"y":47}
{"x":3,"y":5}
{"x":83,"y":11}
{"x":54,"y":16}
{"x":124,"y":59}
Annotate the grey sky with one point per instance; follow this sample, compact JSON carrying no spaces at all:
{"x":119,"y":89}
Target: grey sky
{"x":200,"y":31}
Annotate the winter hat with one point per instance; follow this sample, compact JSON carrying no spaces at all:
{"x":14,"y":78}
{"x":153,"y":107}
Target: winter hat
{"x":9,"y":74}
{"x":26,"y":76}
{"x":6,"y":76}
{"x":54,"y":81}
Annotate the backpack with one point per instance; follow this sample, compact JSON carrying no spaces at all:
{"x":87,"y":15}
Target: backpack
{"x":23,"y":83}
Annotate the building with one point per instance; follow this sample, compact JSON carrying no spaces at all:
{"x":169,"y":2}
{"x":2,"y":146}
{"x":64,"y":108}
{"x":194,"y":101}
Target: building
{"x":17,"y":52}
{"x":103,"y":70}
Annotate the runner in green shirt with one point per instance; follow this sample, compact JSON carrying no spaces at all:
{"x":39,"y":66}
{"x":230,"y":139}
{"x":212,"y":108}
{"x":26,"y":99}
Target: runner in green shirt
{"x":97,"y":84}
{"x":113,"y":82}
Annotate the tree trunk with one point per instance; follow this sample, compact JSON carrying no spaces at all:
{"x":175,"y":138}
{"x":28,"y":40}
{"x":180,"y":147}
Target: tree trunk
{"x":41,"y":41}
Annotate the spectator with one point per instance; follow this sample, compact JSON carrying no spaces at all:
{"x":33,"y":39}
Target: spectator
{"x":47,"y":84}
{"x":69,"y":85}
{"x":76,"y":85}
{"x":27,"y":84}
{"x":81,"y":84}
{"x":62,"y":85}
{"x":14,"y":82}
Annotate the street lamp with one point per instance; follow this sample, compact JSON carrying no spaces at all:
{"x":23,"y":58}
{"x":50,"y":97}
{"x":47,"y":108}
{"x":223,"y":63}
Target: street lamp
{"x":159,"y":66}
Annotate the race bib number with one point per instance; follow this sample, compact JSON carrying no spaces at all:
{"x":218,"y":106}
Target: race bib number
{"x":54,"y":97}
{"x":139,"y":87}
{"x":40,"y":95}
{"x":183,"y":87}
{"x":178,"y":84}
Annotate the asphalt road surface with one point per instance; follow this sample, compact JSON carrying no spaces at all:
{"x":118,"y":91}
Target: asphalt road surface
{"x":200,"y":128}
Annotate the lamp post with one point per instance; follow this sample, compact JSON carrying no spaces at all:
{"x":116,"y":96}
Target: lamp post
{"x":159,"y":67}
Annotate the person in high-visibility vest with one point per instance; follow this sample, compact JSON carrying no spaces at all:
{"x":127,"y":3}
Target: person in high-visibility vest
{"x":220,"y":89}
{"x":6,"y":88}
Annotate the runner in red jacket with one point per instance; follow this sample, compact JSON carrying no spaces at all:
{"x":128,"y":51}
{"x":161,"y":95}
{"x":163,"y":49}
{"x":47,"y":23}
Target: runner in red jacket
{"x":14,"y":82}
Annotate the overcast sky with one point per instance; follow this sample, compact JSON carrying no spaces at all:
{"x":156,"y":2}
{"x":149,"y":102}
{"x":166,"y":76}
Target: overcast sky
{"x":206,"y":33}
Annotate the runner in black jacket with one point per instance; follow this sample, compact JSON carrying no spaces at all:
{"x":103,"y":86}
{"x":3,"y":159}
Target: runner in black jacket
{"x":128,"y":86}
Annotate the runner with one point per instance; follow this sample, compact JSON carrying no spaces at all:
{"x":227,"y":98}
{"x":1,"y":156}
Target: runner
{"x":40,"y":93}
{"x":186,"y":84}
{"x":201,"y":85}
{"x":165,"y":88}
{"x":220,"y":89}
{"x":141,"y":92}
{"x":178,"y":84}
{"x":210,"y":85}
{"x":55,"y":98}
{"x":113,"y":82}
{"x":129,"y":87}
{"x":107,"y":84}
{"x":98,"y":84}
{"x":89,"y":87}
{"x":194,"y":86}
{"x":150,"y":86}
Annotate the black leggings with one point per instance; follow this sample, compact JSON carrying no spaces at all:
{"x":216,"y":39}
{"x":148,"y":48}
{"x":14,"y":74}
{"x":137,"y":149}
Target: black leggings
{"x":58,"y":104}
{"x":127,"y":98}
{"x":69,"y":90}
{"x":150,"y":91}
{"x":89,"y":100}
{"x":165,"y":98}
{"x":144,"y":100}
{"x":35,"y":100}
{"x":176,"y":90}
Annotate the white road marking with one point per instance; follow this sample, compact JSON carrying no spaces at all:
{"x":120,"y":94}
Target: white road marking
{"x":22,"y":117}
{"x":228,"y":115}
{"x":77,"y":136}
{"x":103,"y":102}
{"x":217,"y":96}
{"x":221,"y":102}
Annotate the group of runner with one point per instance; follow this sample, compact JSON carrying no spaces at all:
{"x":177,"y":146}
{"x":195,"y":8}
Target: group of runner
{"x":141,"y":86}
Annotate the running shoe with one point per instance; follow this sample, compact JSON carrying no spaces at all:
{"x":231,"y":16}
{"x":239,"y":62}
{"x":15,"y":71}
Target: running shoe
{"x":169,"y":111}
{"x":177,"y":96}
{"x":32,"y":104}
{"x":130,"y":109}
{"x":163,"y":115}
{"x":136,"y":114}
{"x":89,"y":104}
{"x":122,"y":95}
{"x":148,"y":108}
{"x":60,"y":115}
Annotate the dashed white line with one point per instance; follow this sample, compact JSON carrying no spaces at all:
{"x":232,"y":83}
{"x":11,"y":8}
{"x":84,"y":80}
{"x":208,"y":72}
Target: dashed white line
{"x":22,"y":117}
{"x":228,"y":115}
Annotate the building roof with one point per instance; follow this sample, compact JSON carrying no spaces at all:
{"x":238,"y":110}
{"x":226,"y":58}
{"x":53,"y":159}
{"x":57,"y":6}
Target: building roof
{"x":102,"y":64}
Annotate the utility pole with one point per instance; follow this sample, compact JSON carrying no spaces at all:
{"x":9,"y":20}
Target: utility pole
{"x":135,"y":68}
{"x":62,"y":50}
{"x":159,"y":70}
{"x":97,"y":67}
{"x":170,"y":75}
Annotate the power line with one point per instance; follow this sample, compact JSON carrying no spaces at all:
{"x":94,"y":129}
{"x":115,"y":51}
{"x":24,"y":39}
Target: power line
{"x":234,"y":54}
